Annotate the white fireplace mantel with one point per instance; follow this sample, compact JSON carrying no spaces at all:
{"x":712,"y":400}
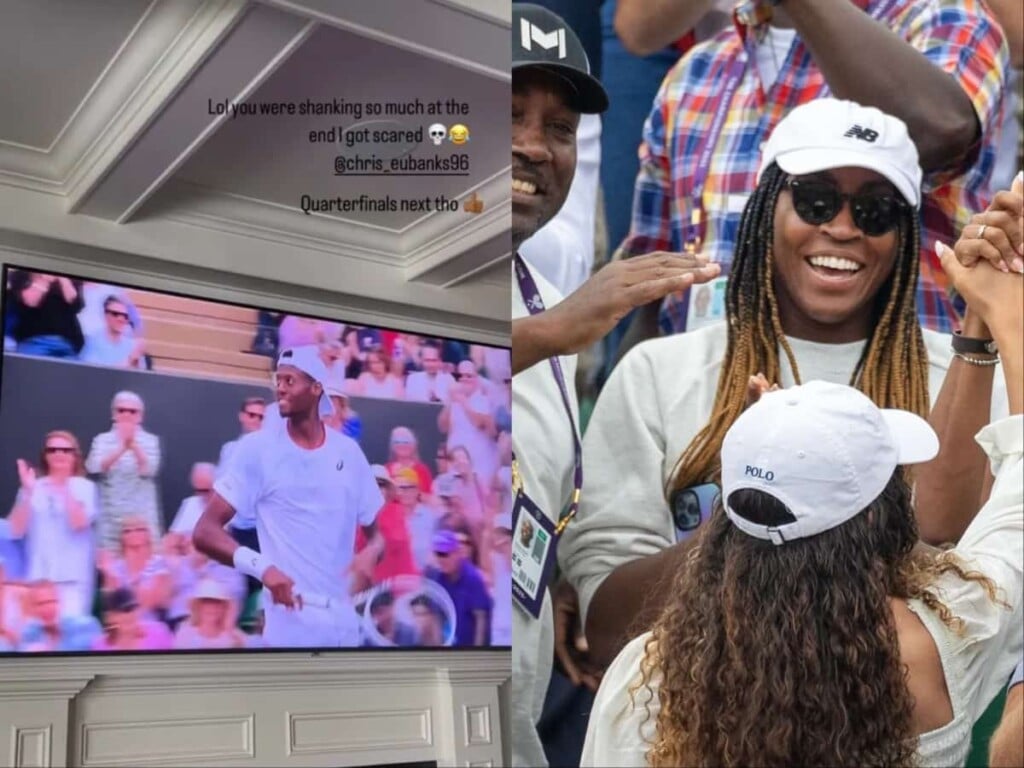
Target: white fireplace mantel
{"x":281,"y":709}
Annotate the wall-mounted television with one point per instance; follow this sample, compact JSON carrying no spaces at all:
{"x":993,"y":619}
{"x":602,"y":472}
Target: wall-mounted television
{"x":180,"y":474}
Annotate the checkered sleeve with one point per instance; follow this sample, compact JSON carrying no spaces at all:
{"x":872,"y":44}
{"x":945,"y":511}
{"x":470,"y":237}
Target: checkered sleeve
{"x":961,"y":38}
{"x":650,"y":228}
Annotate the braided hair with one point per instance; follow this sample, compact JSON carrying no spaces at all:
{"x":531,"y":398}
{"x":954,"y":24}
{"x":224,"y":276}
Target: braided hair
{"x":892,"y":370}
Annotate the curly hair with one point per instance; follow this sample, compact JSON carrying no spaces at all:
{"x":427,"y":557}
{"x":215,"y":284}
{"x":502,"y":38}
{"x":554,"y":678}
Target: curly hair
{"x":892,"y":371}
{"x":788,"y":655}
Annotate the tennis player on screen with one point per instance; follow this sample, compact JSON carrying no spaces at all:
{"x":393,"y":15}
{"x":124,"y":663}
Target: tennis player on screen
{"x":309,"y":487}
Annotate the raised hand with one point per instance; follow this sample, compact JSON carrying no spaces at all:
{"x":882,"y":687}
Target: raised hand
{"x":590,"y":312}
{"x":26,"y":475}
{"x":997,"y":234}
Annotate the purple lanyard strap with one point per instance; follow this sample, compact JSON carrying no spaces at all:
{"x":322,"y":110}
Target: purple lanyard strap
{"x":535,"y":305}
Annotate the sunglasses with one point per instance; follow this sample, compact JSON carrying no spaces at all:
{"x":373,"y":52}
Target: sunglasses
{"x":59,"y":449}
{"x":875,"y":213}
{"x":127,"y":410}
{"x":203,"y":490}
{"x":252,"y":415}
{"x":115,"y":313}
{"x":442,"y":554}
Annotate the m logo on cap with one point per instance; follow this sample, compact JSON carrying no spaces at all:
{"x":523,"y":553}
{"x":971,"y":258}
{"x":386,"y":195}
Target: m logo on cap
{"x":547,"y":40}
{"x":864,"y":134}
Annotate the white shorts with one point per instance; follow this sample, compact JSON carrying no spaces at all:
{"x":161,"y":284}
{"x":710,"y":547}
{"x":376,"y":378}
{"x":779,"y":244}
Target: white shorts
{"x":336,"y":626}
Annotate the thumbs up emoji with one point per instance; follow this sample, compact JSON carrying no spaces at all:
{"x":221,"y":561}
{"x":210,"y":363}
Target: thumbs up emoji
{"x":473,"y":205}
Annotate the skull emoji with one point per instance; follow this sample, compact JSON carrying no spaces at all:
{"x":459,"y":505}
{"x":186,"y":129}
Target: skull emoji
{"x":437,"y":132}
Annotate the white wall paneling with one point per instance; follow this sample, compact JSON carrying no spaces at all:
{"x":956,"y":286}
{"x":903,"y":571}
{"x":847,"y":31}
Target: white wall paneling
{"x":340,"y":709}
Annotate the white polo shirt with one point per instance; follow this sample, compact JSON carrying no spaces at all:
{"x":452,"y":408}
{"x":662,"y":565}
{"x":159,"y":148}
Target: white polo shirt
{"x":307,"y":503}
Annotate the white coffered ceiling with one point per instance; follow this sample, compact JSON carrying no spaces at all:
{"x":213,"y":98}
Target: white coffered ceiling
{"x":107,"y":141}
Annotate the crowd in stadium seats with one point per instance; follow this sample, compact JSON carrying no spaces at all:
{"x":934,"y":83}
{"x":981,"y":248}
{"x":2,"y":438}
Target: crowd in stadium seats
{"x":88,"y":562}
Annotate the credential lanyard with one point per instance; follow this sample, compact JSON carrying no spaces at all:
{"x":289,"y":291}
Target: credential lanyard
{"x":535,"y":305}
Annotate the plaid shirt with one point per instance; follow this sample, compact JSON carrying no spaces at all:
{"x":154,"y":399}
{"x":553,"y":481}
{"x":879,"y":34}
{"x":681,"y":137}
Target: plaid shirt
{"x":956,"y":35}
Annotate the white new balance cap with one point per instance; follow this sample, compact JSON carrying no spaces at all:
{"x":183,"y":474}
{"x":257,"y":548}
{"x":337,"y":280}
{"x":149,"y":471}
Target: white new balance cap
{"x":830,"y":133}
{"x":824,"y":450}
{"x":307,"y":359}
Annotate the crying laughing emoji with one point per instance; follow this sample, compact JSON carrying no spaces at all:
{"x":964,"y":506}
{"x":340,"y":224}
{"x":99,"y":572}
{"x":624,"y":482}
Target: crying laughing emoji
{"x":458,"y":134}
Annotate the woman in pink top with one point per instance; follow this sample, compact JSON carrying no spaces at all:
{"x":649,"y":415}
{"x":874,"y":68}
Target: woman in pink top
{"x":126,"y":630}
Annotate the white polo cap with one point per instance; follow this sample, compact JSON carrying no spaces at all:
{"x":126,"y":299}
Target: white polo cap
{"x":824,"y":450}
{"x":830,"y":133}
{"x":307,"y":359}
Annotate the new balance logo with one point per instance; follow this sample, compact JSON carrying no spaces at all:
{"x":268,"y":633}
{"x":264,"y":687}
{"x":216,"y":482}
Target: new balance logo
{"x":864,"y":134}
{"x":531,"y":33}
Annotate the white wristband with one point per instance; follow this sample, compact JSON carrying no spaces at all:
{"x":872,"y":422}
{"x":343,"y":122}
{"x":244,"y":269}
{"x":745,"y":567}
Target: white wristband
{"x":250,"y":562}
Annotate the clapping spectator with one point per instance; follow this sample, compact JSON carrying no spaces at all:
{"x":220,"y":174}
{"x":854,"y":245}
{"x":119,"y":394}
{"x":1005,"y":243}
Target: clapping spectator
{"x":377,"y":380}
{"x":114,"y":345}
{"x":46,"y":314}
{"x":431,"y":385}
{"x":129,"y":630}
{"x":54,"y":513}
{"x":139,"y":568}
{"x":127,"y":459}
{"x":211,"y":621}
{"x":468,"y":420}
{"x":92,"y":318}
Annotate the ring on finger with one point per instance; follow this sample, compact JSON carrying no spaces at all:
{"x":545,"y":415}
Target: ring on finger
{"x":981,"y":232}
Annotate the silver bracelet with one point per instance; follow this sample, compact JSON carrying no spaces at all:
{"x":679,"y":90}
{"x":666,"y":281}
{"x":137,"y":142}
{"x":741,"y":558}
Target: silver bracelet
{"x":976,"y":360}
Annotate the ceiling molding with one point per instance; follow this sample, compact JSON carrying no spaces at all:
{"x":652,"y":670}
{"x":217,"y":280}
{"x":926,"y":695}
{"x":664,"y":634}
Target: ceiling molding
{"x":292,"y":263}
{"x":169,"y":41}
{"x":254,"y":48}
{"x":475,"y":41}
{"x":178,"y":62}
{"x":430,"y":243}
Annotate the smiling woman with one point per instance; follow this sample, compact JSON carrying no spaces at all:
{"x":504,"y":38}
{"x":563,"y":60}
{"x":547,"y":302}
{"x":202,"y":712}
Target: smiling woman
{"x":823,"y":287}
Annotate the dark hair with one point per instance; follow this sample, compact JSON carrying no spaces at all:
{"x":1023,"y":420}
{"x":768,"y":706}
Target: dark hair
{"x":382,"y":599}
{"x":112,"y":299}
{"x":789,"y":655}
{"x":892,"y":371}
{"x":120,"y":600}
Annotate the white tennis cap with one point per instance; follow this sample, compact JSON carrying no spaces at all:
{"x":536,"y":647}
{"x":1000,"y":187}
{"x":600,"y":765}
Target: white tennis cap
{"x":307,"y":359}
{"x":824,"y":450}
{"x":830,"y":133}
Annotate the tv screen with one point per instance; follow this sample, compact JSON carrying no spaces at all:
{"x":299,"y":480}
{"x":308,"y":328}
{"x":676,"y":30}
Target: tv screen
{"x":185,"y":474}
